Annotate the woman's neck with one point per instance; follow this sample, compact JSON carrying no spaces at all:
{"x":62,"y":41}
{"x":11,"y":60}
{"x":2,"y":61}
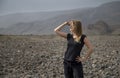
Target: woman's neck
{"x":75,"y":35}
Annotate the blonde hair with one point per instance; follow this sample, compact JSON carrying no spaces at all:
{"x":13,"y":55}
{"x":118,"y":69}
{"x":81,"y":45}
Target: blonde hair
{"x":78,"y":29}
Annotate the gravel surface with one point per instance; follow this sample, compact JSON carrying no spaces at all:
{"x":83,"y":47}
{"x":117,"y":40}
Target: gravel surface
{"x":42,"y":57}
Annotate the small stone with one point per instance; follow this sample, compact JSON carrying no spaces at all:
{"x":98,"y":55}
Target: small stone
{"x":18,"y":51}
{"x":93,"y":65}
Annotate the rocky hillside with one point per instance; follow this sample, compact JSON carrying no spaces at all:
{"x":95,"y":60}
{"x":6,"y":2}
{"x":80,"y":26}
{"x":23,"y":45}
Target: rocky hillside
{"x":100,"y":27}
{"x":42,"y":57}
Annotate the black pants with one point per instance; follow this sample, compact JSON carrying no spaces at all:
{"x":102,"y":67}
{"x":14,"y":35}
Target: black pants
{"x":73,"y":69}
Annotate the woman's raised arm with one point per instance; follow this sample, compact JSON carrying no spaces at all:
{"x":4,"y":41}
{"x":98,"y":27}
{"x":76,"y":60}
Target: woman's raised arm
{"x":58,"y":30}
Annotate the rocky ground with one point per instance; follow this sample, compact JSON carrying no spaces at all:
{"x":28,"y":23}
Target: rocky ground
{"x":42,"y":57}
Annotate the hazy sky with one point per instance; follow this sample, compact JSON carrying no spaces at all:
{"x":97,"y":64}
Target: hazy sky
{"x":10,"y":6}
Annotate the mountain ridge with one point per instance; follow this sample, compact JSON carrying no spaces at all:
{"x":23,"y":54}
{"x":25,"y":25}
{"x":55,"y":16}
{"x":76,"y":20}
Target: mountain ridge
{"x":109,"y":13}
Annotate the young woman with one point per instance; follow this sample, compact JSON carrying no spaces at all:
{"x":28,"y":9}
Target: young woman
{"x":72,"y":60}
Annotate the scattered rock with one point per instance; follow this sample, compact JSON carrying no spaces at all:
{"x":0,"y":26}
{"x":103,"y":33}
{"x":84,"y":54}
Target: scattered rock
{"x":42,"y":57}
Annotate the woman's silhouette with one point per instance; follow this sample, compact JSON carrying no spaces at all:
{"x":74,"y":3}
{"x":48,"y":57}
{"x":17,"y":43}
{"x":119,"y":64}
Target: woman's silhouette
{"x":75,"y":41}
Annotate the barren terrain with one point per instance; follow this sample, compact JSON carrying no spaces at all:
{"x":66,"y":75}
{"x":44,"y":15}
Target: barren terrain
{"x":42,"y":57}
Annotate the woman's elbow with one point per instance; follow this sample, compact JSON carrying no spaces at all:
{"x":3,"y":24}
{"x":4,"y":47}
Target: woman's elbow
{"x":92,"y":49}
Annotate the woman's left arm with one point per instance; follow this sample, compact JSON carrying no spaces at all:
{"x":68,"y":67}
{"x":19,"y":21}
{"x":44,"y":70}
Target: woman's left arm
{"x":89,"y":46}
{"x":89,"y":51}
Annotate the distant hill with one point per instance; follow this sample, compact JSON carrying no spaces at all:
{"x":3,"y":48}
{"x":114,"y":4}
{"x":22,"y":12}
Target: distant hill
{"x":26,"y":17}
{"x":37,"y":23}
{"x":109,"y":12}
{"x":100,"y":27}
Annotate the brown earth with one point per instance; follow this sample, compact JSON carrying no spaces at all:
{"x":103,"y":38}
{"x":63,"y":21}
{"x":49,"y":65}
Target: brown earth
{"x":42,"y":57}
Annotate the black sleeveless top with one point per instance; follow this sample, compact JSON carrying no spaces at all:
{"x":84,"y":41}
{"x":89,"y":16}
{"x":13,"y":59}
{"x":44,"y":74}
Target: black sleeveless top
{"x":73,"y":48}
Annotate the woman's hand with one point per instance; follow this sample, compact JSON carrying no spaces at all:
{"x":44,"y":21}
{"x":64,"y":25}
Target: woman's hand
{"x":67,"y":23}
{"x":58,"y":30}
{"x":80,"y":59}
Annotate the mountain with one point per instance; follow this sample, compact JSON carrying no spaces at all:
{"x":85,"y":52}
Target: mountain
{"x":100,"y":27}
{"x":109,"y":12}
{"x":26,"y":17}
{"x":44,"y":23}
